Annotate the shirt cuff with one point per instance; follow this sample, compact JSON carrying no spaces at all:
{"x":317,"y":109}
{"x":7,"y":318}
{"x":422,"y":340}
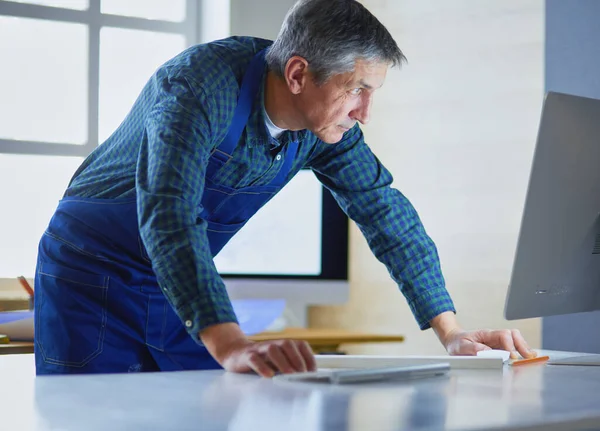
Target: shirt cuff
{"x":211,"y":310}
{"x":430,"y":304}
{"x":195,"y":323}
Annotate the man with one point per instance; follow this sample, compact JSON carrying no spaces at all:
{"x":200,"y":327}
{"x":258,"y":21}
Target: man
{"x":125,"y":278}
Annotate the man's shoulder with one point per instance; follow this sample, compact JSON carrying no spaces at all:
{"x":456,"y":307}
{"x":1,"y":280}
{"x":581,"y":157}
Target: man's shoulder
{"x":216,"y":65}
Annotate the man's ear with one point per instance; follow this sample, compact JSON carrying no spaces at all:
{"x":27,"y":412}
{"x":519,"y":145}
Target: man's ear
{"x":296,"y":74}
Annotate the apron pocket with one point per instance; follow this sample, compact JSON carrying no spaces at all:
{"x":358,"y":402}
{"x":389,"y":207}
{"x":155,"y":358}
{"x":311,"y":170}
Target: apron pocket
{"x":70,"y":314}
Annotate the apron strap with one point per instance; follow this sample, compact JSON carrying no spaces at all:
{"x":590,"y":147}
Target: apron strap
{"x":248,"y":91}
{"x":250,"y":85}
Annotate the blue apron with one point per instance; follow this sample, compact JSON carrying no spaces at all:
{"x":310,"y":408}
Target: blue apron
{"x":98,"y":305}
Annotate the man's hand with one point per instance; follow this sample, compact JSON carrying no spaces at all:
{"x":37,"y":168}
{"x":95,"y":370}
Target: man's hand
{"x":460,"y":342}
{"x":471,"y":342}
{"x":269,"y":357}
{"x":234,"y":352}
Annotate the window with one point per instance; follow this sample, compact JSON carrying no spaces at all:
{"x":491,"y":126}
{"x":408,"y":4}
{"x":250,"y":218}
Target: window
{"x":70,"y":71}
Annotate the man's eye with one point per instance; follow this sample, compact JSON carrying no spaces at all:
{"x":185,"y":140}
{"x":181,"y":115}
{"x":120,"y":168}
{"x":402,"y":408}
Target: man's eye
{"x":356,"y":91}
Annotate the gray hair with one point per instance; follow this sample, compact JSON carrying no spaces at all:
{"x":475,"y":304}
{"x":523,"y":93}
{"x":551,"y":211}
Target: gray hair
{"x":331,"y":35}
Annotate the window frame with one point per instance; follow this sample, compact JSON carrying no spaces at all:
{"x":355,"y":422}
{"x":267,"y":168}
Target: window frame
{"x":94,"y":19}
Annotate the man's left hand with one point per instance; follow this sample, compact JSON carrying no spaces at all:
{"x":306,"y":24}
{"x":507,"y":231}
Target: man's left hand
{"x":461,"y":342}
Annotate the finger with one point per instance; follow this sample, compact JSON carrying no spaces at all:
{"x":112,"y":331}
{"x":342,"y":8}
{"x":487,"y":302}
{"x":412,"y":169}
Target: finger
{"x":506,"y":343}
{"x":521,"y":345}
{"x":293,"y":355}
{"x":308,"y":355}
{"x":275,"y":355}
{"x":260,"y":366}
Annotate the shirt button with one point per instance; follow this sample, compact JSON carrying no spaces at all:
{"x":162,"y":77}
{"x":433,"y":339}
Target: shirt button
{"x":188,"y":323}
{"x":278,"y":157}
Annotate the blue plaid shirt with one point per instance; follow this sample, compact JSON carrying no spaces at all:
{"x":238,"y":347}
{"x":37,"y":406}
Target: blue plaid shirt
{"x":159,"y":154}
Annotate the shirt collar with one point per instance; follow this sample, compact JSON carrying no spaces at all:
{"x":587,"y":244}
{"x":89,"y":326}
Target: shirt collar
{"x":256,"y":128}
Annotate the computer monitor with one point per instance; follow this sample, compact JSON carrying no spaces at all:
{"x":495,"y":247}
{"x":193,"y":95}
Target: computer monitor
{"x":295,"y":249}
{"x":556,"y":266}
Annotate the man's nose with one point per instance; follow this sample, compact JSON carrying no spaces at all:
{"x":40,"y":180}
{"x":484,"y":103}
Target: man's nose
{"x":363,"y":112}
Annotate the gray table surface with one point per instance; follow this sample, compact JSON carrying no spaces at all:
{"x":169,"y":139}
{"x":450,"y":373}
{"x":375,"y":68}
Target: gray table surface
{"x":529,"y":397}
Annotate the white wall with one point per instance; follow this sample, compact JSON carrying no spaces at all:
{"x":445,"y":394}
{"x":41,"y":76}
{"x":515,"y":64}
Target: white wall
{"x":215,"y":20}
{"x":259,"y":18}
{"x":456,"y":126}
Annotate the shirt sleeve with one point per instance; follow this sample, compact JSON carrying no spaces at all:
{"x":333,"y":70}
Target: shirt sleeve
{"x":169,"y":185}
{"x":362,"y":187}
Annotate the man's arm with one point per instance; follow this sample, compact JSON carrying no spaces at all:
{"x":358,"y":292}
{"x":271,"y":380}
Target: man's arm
{"x":445,"y":325}
{"x":394,"y":232}
{"x":169,"y":185}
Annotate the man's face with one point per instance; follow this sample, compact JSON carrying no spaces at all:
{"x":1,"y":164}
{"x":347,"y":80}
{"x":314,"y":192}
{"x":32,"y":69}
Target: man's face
{"x":333,"y":108}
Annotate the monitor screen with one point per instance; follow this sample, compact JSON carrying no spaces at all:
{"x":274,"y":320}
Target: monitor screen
{"x":556,"y":267}
{"x":283,"y":238}
{"x":300,"y":233}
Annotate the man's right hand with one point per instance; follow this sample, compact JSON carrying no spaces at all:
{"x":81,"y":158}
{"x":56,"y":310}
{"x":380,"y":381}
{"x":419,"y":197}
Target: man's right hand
{"x":234,"y":352}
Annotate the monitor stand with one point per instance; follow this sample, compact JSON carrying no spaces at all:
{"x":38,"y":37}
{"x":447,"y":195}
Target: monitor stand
{"x":591,"y":360}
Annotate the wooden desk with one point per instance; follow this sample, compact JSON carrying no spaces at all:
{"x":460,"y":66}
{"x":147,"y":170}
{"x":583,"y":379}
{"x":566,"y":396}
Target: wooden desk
{"x":16,"y":347}
{"x":321,"y":340}
{"x":327,"y":340}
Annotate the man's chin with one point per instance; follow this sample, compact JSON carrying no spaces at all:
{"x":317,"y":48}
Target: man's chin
{"x":331,"y":137}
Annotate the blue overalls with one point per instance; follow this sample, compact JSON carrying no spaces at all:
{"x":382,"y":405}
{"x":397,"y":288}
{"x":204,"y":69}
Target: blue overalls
{"x":98,"y":305}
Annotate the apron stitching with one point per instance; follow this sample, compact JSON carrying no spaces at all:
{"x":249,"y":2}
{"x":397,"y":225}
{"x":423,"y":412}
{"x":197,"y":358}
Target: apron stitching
{"x":70,"y":244}
{"x":101,"y":201}
{"x":237,"y":192}
{"x":74,"y":281}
